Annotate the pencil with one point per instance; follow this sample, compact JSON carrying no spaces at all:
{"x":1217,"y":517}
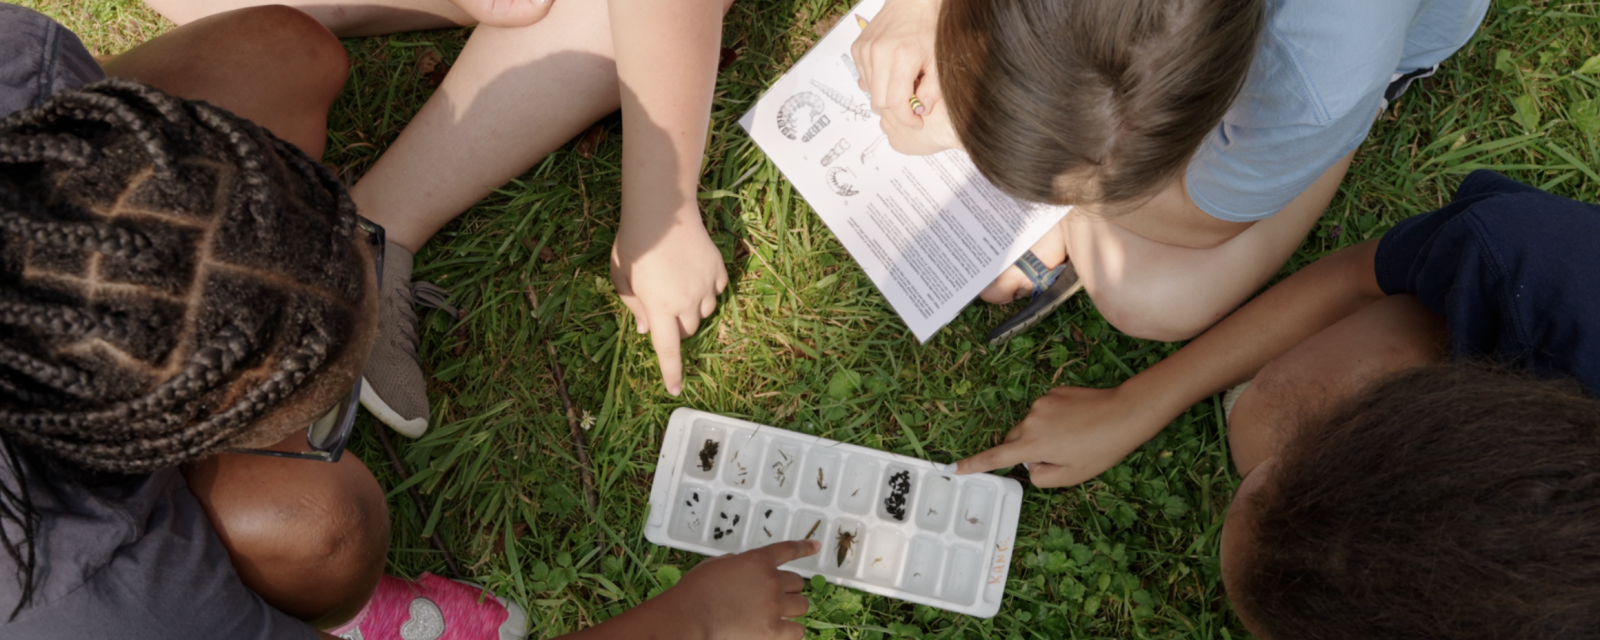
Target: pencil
{"x":860,"y":21}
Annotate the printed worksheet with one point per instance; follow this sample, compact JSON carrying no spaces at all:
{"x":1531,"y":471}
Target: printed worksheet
{"x":929,"y":230}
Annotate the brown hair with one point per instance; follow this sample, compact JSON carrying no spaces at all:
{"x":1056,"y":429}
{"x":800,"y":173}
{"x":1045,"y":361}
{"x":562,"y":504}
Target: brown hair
{"x":1449,"y":502}
{"x":1091,"y":101}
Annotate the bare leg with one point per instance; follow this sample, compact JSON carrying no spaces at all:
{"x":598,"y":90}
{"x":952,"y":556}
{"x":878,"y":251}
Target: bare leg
{"x":272,"y":65}
{"x":1388,"y":336}
{"x":309,"y":537}
{"x":1160,"y":292}
{"x":347,"y":20}
{"x":513,"y":96}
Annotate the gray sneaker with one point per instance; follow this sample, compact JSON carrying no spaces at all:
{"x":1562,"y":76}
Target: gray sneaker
{"x":392,"y":385}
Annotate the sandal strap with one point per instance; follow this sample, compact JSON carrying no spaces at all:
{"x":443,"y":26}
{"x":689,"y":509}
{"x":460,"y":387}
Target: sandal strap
{"x":1038,"y":274}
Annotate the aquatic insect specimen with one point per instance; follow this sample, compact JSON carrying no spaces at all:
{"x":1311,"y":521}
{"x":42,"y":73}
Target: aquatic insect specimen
{"x":780,"y":469}
{"x":847,"y":540}
{"x":820,"y":484}
{"x":708,"y":454}
{"x":813,"y":530}
{"x":968,"y":517}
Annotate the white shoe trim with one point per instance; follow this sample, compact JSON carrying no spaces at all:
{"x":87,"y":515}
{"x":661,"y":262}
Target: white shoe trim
{"x":413,"y":428}
{"x":516,"y":625}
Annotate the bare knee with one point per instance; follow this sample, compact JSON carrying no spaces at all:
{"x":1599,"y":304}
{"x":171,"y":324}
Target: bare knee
{"x":292,"y":39}
{"x":310,"y":537}
{"x":1150,"y":315}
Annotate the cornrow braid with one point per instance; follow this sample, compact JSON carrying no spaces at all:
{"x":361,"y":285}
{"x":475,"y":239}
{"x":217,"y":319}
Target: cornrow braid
{"x":170,"y":275}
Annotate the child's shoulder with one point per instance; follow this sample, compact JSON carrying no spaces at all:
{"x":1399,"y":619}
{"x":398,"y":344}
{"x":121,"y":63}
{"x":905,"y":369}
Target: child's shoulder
{"x":1336,"y":57}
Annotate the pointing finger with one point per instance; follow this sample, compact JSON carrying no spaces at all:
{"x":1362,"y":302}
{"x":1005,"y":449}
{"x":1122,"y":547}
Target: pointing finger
{"x":1005,"y":455}
{"x":665,"y":337}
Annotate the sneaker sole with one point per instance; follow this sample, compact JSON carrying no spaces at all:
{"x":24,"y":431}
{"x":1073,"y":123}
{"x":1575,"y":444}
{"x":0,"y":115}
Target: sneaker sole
{"x":516,"y":625}
{"x":412,"y":428}
{"x":1037,"y":310}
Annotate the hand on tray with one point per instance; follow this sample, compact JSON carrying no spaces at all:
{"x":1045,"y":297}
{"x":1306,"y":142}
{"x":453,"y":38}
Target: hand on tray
{"x":1070,"y":435}
{"x":745,"y":596}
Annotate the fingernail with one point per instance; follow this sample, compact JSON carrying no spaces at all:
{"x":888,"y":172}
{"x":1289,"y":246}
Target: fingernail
{"x":919,"y":110}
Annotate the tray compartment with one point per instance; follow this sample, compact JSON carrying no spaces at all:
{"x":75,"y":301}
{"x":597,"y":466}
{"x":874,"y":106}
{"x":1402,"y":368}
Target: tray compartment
{"x":813,"y":525}
{"x":898,"y":491}
{"x":820,"y":480}
{"x":742,"y":463}
{"x":855,"y":496}
{"x":781,"y":470}
{"x":883,"y":557}
{"x":976,"y":512}
{"x":938,"y":502}
{"x":767,"y":524}
{"x":921,"y":573}
{"x":842,"y":549}
{"x":689,"y":521}
{"x":706,"y":442}
{"x":963,"y":571}
{"x":731,"y":520}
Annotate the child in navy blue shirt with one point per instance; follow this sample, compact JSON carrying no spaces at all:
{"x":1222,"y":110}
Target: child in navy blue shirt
{"x":1420,"y":445}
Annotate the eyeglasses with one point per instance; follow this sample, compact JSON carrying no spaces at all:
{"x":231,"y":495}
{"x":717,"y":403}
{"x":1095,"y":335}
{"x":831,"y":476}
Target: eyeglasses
{"x":328,"y":435}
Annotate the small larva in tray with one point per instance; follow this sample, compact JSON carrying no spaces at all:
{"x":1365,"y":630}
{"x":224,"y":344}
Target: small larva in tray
{"x":889,"y":524}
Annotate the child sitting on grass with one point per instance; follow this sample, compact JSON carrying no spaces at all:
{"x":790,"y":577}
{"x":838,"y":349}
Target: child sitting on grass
{"x":1383,"y":500}
{"x":181,"y":287}
{"x":534,"y":74}
{"x":1198,"y":140}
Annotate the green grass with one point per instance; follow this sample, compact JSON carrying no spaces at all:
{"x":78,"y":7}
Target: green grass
{"x":803,"y":340}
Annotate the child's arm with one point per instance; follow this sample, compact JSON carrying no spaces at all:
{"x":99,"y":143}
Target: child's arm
{"x":1074,"y":434}
{"x":738,"y":596}
{"x":667,"y":270}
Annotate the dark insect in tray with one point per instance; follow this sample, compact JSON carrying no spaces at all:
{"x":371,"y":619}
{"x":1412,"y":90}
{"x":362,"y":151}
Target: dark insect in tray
{"x":899,"y":486}
{"x":708,"y":454}
{"x":847,"y":540}
{"x":820,"y":484}
{"x":968,"y":517}
{"x":813,"y":530}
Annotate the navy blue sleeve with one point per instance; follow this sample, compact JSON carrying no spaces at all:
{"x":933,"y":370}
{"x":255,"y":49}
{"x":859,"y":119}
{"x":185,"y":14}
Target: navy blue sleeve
{"x":1514,"y":271}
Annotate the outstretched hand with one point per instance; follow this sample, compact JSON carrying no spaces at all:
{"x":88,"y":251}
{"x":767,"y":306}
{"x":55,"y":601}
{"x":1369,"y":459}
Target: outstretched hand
{"x":670,"y":280}
{"x":1071,"y":435}
{"x":505,"y":13}
{"x":746,"y":596}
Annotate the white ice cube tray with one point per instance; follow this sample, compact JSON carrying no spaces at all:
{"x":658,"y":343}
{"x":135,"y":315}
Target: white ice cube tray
{"x":914,"y":530}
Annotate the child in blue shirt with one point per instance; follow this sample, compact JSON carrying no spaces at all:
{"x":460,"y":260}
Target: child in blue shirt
{"x":1198,"y":140}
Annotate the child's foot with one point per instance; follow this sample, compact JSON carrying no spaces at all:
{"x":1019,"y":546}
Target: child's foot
{"x":393,"y":387}
{"x":1014,"y":284}
{"x":433,"y":608}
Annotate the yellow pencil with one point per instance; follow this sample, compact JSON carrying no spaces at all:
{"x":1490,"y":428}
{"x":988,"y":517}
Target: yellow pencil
{"x":860,"y":21}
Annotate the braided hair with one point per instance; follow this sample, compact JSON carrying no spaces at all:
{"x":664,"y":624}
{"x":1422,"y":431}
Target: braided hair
{"x":174,"y":281}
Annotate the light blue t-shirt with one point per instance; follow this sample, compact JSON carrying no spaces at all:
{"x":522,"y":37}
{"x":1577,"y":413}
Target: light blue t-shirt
{"x":1313,"y":93}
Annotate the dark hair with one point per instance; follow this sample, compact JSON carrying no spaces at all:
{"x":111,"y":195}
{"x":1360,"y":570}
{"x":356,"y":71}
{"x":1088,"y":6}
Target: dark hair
{"x":1091,"y":101}
{"x":1448,"y":502}
{"x":174,"y":281}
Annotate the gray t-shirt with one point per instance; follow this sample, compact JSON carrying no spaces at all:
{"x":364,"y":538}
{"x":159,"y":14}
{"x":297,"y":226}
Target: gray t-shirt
{"x":133,"y":559}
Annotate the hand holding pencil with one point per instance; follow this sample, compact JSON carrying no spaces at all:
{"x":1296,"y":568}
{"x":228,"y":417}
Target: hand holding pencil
{"x":895,"y":55}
